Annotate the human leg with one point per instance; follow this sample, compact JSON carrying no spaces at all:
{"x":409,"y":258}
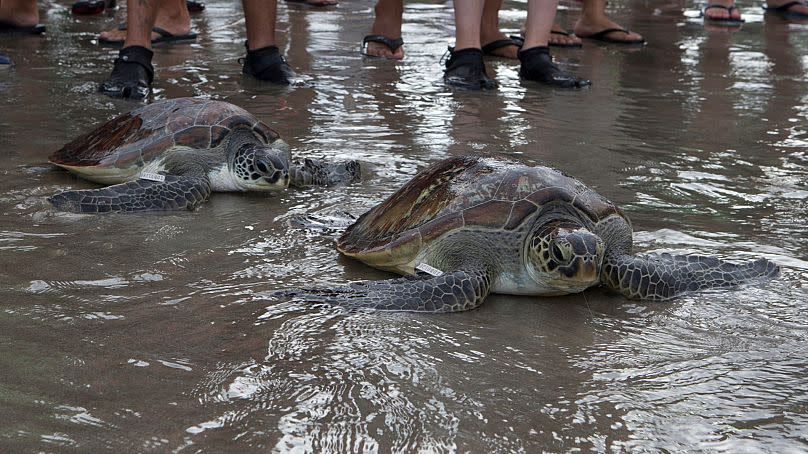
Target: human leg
{"x":386,"y":24}
{"x":465,"y":67}
{"x":595,"y":24}
{"x":132,"y":73}
{"x":19,"y":13}
{"x":264,"y":60}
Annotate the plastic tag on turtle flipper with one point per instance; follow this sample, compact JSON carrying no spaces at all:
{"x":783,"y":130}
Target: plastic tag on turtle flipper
{"x":428,"y":269}
{"x":152,"y":177}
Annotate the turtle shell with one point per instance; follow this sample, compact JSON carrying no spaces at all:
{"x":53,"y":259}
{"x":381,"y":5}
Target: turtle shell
{"x":133,"y":139}
{"x":458,"y":193}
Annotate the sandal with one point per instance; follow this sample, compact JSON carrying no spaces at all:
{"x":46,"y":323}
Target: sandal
{"x":90,"y":7}
{"x":489,"y":48}
{"x":132,"y":74}
{"x":602,"y":37}
{"x":164,"y":37}
{"x":520,"y":41}
{"x":392,"y":44}
{"x":728,"y":21}
{"x":785,"y":9}
{"x":12,"y":28}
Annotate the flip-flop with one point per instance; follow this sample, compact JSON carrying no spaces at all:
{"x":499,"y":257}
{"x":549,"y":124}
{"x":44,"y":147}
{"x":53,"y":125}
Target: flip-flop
{"x":12,"y":28}
{"x":165,"y":37}
{"x":392,"y":44}
{"x":316,"y":5}
{"x":785,"y":9}
{"x":90,"y":7}
{"x":602,"y":37}
{"x":489,"y":48}
{"x":728,"y":21}
{"x":520,"y":41}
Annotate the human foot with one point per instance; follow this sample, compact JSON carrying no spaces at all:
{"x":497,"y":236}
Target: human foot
{"x":604,"y":29}
{"x":382,"y":46}
{"x":722,"y":11}
{"x":158,"y":35}
{"x":20,"y":17}
{"x":562,"y":38}
{"x":177,"y":24}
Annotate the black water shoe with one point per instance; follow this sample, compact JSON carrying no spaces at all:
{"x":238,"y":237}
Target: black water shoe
{"x":267,"y":64}
{"x":466,"y":69}
{"x":537,"y":64}
{"x":131,"y":75}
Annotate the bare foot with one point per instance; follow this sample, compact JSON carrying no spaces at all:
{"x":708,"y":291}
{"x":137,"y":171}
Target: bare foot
{"x":729,"y":11}
{"x":387,"y":23}
{"x":586,"y":27}
{"x":561,"y":37}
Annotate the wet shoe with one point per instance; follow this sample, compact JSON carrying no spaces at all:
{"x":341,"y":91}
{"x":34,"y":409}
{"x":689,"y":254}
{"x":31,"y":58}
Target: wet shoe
{"x":132,"y":74}
{"x":267,"y":64}
{"x":466,"y":69}
{"x":537,"y":64}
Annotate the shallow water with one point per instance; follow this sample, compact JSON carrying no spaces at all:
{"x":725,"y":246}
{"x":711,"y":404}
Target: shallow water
{"x":159,"y":332}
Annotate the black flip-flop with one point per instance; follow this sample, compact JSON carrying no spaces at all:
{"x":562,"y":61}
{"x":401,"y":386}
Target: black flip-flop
{"x":164,"y":38}
{"x":392,"y":44}
{"x":489,"y":48}
{"x":728,"y":21}
{"x":91,"y":7}
{"x":602,"y":37}
{"x":785,"y":9}
{"x":520,"y":41}
{"x":12,"y":28}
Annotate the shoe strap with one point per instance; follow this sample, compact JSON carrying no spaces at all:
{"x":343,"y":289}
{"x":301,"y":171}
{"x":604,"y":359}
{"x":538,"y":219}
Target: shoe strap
{"x":137,"y":55}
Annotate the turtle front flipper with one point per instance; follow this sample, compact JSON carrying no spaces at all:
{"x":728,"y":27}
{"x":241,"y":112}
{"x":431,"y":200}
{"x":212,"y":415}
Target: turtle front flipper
{"x":665,"y":276}
{"x":457,"y":291}
{"x":323,"y":173}
{"x":174,"y":193}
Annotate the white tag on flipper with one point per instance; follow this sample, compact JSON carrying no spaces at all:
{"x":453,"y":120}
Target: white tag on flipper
{"x":428,"y":269}
{"x":152,"y":177}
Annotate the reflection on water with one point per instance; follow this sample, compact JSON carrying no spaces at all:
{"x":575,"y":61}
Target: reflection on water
{"x":159,"y":332}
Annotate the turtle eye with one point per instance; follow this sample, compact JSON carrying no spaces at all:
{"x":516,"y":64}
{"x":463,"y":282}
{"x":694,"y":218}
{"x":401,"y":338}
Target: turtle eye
{"x":558,"y":254}
{"x":262,"y":167}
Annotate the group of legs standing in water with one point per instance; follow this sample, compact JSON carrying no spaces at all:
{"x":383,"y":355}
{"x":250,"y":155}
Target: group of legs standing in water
{"x":477,"y":34}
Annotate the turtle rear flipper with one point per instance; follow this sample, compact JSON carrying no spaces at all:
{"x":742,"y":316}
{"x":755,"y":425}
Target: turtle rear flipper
{"x":174,"y":193}
{"x":665,"y":276}
{"x":323,"y":173}
{"x":457,"y":291}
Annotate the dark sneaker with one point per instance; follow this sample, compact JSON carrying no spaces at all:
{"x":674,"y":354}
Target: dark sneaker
{"x":537,"y":64}
{"x":267,"y":64}
{"x":131,"y":75}
{"x":466,"y":69}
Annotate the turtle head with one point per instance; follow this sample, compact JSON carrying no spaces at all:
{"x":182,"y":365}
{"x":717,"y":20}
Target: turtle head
{"x":565,"y":256}
{"x":259,"y":168}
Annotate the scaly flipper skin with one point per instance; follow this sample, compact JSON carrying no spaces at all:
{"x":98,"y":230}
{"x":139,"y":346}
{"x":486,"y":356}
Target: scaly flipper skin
{"x":457,"y":291}
{"x":323,"y":173}
{"x":665,"y":276}
{"x":175,"y":193}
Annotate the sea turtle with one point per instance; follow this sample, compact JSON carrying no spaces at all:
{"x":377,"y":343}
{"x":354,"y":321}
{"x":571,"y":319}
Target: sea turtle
{"x":170,"y":155}
{"x":480,"y":225}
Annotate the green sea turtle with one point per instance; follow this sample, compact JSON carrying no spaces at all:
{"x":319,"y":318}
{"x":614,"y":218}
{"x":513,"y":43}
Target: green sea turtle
{"x":170,"y":155}
{"x":478,"y":225}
